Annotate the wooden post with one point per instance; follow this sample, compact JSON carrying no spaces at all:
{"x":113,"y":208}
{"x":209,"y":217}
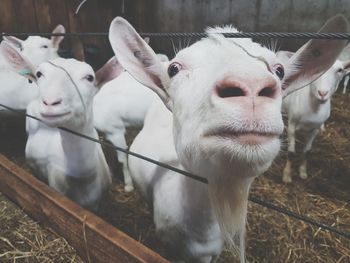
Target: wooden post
{"x":92,"y":237}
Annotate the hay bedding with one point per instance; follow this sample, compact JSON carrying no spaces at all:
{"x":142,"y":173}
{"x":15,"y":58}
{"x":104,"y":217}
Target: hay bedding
{"x":23,"y":240}
{"x":271,"y":237}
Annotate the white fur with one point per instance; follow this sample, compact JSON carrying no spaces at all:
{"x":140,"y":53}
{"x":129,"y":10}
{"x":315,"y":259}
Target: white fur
{"x":227,"y":139}
{"x":345,"y":55}
{"x":72,"y":165}
{"x":307,"y":111}
{"x":16,"y":91}
{"x":122,"y":103}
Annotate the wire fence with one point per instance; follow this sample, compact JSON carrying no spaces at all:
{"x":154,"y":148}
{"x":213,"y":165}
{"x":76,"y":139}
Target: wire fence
{"x":283,"y":35}
{"x":287,"y":35}
{"x":200,"y":179}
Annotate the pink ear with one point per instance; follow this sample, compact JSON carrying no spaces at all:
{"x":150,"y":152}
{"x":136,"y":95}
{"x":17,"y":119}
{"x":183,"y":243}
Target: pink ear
{"x":56,"y":40}
{"x":138,"y":58}
{"x":109,"y":71}
{"x":16,"y":61}
{"x":14,"y":40}
{"x":315,"y":57}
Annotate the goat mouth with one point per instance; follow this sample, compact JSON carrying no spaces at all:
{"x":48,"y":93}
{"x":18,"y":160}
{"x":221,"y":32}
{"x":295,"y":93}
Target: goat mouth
{"x":322,"y":100}
{"x":54,"y":116}
{"x":244,"y":137}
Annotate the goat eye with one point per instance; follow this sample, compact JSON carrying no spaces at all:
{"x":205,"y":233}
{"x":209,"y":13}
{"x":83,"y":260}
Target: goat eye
{"x":38,"y":74}
{"x":44,"y":46}
{"x":279,"y":71}
{"x":89,"y":78}
{"x":340,"y":70}
{"x":173,"y":69}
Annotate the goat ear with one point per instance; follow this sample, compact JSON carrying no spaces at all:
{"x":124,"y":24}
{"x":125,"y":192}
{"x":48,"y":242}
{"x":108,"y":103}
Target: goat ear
{"x":138,"y":58}
{"x":14,"y":41}
{"x":315,"y":57}
{"x":346,"y":65}
{"x":56,"y":40}
{"x":17,"y":62}
{"x":109,"y":71}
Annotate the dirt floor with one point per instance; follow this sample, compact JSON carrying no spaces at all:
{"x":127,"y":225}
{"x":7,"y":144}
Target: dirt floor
{"x":271,"y":237}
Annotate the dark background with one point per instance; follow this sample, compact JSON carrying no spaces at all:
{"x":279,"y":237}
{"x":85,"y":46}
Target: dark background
{"x":165,"y":16}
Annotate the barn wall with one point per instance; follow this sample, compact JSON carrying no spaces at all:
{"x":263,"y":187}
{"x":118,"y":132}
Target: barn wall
{"x":95,"y":16}
{"x":165,"y":16}
{"x":252,"y":15}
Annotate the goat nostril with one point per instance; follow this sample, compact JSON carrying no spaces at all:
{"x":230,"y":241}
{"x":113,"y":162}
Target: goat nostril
{"x":56,"y":103}
{"x":227,"y":92}
{"x":267,"y":92}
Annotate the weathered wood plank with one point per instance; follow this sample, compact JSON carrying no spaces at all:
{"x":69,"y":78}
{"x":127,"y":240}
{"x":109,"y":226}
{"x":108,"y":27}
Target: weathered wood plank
{"x":59,"y":15}
{"x":43,"y":15}
{"x":96,"y":16}
{"x":74,"y":26}
{"x":89,"y":20}
{"x":7,"y":21}
{"x":104,"y":243}
{"x":25,"y":15}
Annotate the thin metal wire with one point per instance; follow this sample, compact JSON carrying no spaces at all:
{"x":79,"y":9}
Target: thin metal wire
{"x":73,"y":82}
{"x":288,"y":35}
{"x":195,"y":177}
{"x":106,"y":144}
{"x":299,"y":217}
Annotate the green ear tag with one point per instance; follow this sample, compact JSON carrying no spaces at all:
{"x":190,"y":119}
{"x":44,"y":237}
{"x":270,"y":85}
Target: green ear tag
{"x":24,"y":72}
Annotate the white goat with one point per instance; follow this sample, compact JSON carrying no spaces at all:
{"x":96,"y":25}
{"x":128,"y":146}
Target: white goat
{"x":345,"y":55}
{"x":71,"y":164}
{"x":16,"y":91}
{"x":307,"y":110}
{"x":120,"y":104}
{"x":225,"y":96}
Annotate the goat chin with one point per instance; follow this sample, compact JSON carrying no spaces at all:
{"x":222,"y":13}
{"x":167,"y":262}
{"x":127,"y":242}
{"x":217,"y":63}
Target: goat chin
{"x":229,"y":198}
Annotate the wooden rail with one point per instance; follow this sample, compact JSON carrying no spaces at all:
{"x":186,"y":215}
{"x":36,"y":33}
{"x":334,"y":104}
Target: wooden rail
{"x":92,"y":237}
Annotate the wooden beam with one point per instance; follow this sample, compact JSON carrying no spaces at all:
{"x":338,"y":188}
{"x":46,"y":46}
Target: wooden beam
{"x":74,"y":26}
{"x":8,"y":20}
{"x":104,"y":243}
{"x":25,"y":15}
{"x":43,"y":15}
